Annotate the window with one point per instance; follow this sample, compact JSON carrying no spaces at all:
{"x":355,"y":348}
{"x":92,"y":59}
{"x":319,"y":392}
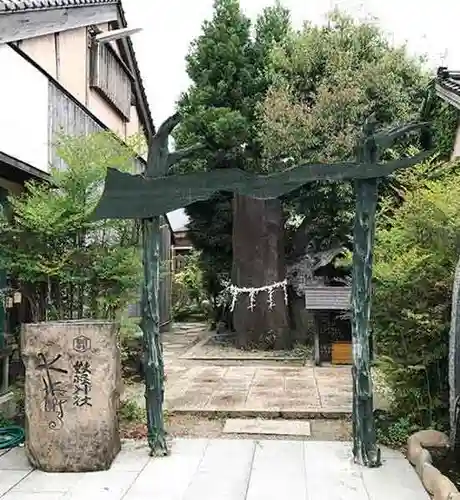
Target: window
{"x":111,"y":77}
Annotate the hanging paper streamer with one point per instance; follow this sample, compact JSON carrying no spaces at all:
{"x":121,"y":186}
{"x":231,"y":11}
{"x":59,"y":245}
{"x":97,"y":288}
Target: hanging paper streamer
{"x":235,"y":291}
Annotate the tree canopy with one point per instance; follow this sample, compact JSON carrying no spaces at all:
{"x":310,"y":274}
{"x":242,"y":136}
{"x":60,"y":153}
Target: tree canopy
{"x":265,"y":96}
{"x":65,"y":265}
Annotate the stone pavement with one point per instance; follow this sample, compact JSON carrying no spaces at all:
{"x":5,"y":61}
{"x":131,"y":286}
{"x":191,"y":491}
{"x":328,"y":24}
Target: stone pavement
{"x":244,"y":388}
{"x":249,"y":390}
{"x":200,"y":469}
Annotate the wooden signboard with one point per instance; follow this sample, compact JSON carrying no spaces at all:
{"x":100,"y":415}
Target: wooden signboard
{"x":342,"y":353}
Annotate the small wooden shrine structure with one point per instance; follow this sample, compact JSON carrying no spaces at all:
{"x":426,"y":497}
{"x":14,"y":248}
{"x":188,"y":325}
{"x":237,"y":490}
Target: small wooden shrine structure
{"x":323,"y":300}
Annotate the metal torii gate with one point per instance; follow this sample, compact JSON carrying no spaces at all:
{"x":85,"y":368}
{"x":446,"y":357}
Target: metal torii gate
{"x":148,"y":196}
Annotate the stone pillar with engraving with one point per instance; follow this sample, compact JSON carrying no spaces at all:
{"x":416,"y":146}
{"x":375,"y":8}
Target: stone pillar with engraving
{"x":72,"y":389}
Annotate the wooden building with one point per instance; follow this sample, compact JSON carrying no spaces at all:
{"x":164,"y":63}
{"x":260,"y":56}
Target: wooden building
{"x":68,"y":67}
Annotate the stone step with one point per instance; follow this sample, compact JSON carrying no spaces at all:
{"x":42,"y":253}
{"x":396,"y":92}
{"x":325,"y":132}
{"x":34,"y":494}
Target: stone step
{"x":301,"y":428}
{"x":307,"y":413}
{"x":247,"y":361}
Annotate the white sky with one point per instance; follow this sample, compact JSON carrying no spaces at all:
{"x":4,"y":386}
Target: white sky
{"x":169,"y":26}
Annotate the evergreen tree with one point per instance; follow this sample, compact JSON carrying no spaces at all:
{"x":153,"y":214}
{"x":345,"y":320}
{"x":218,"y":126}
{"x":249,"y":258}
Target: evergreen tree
{"x":227,"y":66}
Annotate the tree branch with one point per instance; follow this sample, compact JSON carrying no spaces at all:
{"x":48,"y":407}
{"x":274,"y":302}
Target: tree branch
{"x":182,"y":154}
{"x":167,"y":127}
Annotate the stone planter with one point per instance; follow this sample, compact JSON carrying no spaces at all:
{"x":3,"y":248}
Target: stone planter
{"x":72,"y":389}
{"x":436,"y":483}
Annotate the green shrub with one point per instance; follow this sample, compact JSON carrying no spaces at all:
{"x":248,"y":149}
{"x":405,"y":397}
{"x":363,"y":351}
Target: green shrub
{"x":130,"y":411}
{"x":415,"y":257}
{"x":188,"y":291}
{"x":394,"y":432}
{"x":66,"y":265}
{"x":131,"y":347}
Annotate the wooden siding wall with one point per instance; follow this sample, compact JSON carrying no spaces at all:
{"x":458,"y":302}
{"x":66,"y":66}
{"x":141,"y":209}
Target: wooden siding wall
{"x":111,"y":78}
{"x":165,"y":273}
{"x":66,"y":117}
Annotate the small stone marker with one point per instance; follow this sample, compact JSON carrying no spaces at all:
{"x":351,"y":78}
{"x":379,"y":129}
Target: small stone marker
{"x":271,"y":427}
{"x":72,"y":389}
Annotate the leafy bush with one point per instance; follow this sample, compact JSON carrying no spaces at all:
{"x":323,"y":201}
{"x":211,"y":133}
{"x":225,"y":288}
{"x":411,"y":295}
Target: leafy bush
{"x":188,"y":291}
{"x":394,"y":432}
{"x":415,"y":257}
{"x":130,"y":411}
{"x":131,"y":347}
{"x":65,"y":265}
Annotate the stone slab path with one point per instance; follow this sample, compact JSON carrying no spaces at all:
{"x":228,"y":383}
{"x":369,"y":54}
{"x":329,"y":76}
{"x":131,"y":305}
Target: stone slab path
{"x":207,"y":350}
{"x":268,"y":427}
{"x":253,"y":389}
{"x":246,"y":389}
{"x":221,"y":469}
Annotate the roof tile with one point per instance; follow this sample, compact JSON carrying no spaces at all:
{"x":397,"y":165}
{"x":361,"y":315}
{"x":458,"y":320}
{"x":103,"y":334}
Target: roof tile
{"x":15,"y":5}
{"x":450,"y":80}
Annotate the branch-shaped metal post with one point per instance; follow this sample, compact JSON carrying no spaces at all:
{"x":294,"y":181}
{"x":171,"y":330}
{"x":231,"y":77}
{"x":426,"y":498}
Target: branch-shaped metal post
{"x":131,"y":197}
{"x":454,"y":364}
{"x":159,"y":161}
{"x":365,"y":450}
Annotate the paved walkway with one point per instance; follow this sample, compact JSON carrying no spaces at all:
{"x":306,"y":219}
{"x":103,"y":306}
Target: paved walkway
{"x":245,"y":388}
{"x":254,"y":389}
{"x":221,"y":470}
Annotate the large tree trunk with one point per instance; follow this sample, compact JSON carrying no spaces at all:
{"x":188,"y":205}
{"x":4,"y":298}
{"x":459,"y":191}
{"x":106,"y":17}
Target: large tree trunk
{"x":258,"y":260}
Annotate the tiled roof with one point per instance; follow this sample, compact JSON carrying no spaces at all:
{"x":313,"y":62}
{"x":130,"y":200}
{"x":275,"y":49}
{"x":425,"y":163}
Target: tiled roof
{"x":450,"y":80}
{"x":18,"y":5}
{"x":335,"y":298}
{"x":448,"y":86}
{"x":138,"y":73}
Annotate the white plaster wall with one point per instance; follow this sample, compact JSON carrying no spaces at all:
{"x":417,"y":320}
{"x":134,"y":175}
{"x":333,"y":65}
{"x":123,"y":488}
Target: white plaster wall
{"x":42,"y":49}
{"x":104,"y":111}
{"x":133,"y":126}
{"x":24,"y":110}
{"x":73,"y":62}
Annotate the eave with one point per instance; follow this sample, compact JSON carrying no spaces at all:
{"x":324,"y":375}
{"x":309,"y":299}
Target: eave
{"x":448,"y":86}
{"x":15,"y":170}
{"x":127,"y":50}
{"x":21,"y":24}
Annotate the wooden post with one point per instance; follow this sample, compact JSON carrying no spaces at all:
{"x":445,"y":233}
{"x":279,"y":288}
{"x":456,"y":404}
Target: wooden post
{"x":365,"y":449}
